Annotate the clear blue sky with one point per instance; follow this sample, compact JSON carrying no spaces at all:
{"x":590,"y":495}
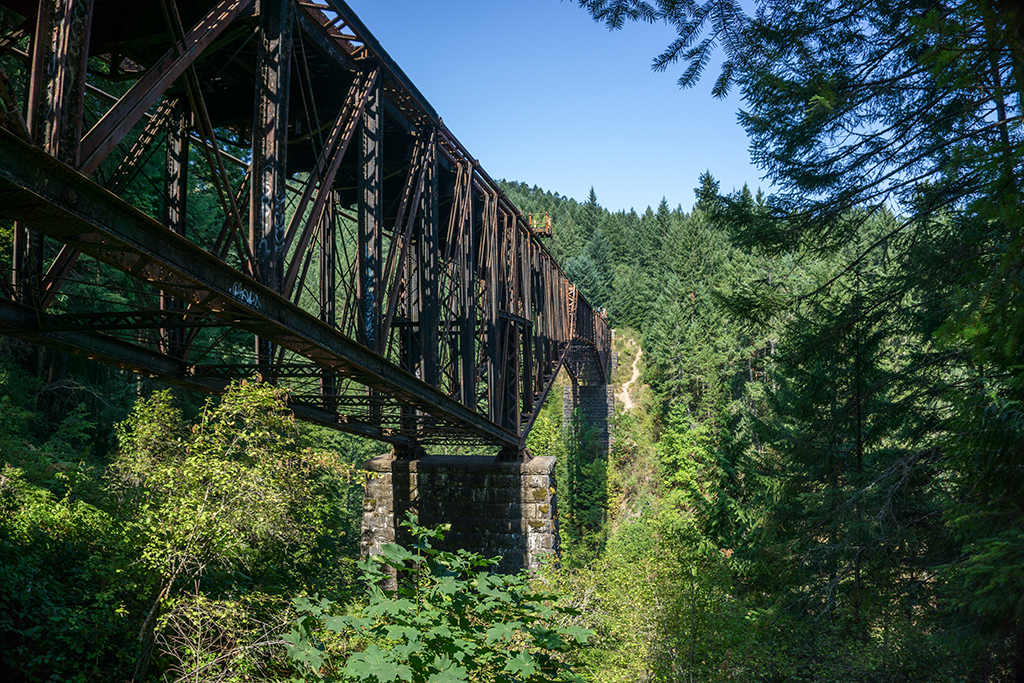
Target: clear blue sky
{"x":540,"y":93}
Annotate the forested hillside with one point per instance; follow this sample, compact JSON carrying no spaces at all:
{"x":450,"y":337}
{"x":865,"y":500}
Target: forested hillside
{"x":836,"y":411}
{"x":799,"y":497}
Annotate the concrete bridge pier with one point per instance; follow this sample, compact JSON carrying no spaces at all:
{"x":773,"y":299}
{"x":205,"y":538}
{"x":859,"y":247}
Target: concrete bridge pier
{"x":496,"y":507}
{"x":593,"y":396}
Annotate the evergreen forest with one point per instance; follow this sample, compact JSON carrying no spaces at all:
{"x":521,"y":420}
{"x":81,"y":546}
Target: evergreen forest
{"x":817,"y":471}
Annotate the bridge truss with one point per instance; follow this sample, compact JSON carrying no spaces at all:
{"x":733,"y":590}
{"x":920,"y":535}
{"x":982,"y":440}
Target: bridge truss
{"x":206,"y":190}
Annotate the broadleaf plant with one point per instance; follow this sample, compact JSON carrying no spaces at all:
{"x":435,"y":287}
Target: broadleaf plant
{"x":448,"y":620}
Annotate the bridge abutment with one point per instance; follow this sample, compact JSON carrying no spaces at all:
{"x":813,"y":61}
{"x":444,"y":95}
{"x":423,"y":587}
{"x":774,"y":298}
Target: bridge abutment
{"x":496,"y":507}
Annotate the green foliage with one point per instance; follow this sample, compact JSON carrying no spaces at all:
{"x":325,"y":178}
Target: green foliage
{"x":213,"y":494}
{"x":658,"y":599}
{"x":687,"y":454}
{"x":68,"y":583}
{"x":545,"y":438}
{"x":634,"y":473}
{"x":235,"y":497}
{"x":175,"y":559}
{"x":448,"y":620}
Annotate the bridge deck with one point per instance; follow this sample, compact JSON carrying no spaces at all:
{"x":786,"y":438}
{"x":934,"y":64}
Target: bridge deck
{"x":205,"y":191}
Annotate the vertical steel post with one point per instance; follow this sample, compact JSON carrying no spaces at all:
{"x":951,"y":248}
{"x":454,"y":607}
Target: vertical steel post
{"x":64,"y":96}
{"x":368,"y":259}
{"x":524,"y":262}
{"x":508,"y":330}
{"x":502,"y":351}
{"x":328,"y":289}
{"x":493,"y":293}
{"x":175,"y":197}
{"x":56,"y":98}
{"x":371,"y":220}
{"x":269,"y":154}
{"x":176,"y":169}
{"x":426,"y":264}
{"x":42,"y":51}
{"x":467,"y":297}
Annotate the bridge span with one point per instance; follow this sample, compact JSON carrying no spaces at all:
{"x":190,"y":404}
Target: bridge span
{"x":205,"y":190}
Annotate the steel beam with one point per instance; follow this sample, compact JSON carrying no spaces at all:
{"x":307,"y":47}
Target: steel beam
{"x":425,"y":270}
{"x":394,"y":285}
{"x":321,"y":180}
{"x":60,"y":51}
{"x":104,"y":136}
{"x":63,"y":42}
{"x":175,"y":201}
{"x":328,"y":286}
{"x":467,"y":297}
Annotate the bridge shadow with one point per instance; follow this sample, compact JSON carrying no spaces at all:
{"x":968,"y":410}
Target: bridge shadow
{"x":587,"y":412}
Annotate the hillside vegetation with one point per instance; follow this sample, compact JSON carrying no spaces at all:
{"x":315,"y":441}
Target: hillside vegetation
{"x":792,"y":500}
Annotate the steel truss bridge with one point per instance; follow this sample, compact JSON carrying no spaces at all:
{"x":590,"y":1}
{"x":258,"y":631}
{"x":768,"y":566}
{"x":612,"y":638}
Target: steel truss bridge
{"x":207,"y":190}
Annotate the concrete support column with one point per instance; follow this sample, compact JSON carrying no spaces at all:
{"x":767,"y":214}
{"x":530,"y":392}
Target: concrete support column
{"x":597,"y":403}
{"x":495,"y":507}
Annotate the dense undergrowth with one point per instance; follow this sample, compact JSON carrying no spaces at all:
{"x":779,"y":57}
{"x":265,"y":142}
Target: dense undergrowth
{"x":173,"y":548}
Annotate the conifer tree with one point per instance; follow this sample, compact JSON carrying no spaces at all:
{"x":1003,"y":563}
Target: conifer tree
{"x":590,"y":217}
{"x":895,"y":423}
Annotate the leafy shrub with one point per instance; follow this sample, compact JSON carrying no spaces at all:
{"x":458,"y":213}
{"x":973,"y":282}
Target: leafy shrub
{"x":449,"y":620}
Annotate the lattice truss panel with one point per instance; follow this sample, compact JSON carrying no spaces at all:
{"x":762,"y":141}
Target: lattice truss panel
{"x":204,"y":191}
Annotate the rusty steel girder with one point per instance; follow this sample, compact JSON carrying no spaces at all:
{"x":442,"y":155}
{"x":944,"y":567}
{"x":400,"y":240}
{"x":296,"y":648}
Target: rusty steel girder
{"x":262,"y":191}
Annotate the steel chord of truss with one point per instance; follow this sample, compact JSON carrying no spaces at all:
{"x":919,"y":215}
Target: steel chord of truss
{"x":65,"y":205}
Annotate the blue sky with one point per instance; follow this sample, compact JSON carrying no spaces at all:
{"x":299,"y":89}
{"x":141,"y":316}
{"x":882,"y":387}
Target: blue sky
{"x":540,"y":93}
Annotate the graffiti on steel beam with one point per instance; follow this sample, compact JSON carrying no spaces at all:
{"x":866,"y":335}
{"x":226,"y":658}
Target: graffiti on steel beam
{"x":246,"y":296}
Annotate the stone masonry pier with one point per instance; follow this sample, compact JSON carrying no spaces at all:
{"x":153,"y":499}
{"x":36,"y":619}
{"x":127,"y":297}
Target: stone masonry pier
{"x":596,"y":403}
{"x":498,"y":507}
{"x":495,"y":507}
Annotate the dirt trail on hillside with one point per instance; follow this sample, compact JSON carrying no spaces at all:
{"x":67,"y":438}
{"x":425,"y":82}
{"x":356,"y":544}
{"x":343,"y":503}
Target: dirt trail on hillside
{"x":623,"y":395}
